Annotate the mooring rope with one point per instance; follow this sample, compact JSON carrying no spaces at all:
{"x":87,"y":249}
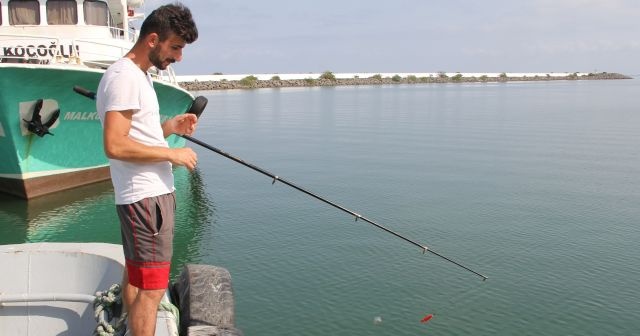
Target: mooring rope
{"x":103,"y":307}
{"x":105,"y":303}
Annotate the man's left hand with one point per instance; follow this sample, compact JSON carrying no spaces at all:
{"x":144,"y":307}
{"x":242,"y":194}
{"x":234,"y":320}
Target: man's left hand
{"x":183,"y":124}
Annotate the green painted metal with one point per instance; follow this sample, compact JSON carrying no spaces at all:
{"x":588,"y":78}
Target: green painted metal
{"x":77,"y":139}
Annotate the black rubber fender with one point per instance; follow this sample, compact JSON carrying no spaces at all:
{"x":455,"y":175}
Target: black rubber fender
{"x":204,"y":296}
{"x":212,"y":331}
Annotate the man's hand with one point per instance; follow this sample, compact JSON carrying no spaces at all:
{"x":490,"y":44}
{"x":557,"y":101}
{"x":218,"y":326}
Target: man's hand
{"x":184,"y":157}
{"x":181,"y":124}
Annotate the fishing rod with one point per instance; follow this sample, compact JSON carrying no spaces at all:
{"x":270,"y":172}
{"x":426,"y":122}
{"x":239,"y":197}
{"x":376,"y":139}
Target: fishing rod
{"x":357,"y":216}
{"x":197,"y":107}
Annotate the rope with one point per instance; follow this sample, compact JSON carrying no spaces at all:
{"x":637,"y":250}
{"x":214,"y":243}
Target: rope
{"x":174,"y":315}
{"x":105,"y":303}
{"x":103,"y":307}
{"x":168,"y":307}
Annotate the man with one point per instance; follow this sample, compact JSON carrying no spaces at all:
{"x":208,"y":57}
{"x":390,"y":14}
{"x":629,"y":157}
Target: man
{"x":141,"y":161}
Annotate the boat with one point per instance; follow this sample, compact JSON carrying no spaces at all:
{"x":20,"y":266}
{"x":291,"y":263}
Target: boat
{"x":72,"y":289}
{"x":51,"y":137}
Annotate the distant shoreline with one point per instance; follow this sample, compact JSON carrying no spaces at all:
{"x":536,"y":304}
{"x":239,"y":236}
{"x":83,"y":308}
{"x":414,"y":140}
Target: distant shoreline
{"x":219,"y":82}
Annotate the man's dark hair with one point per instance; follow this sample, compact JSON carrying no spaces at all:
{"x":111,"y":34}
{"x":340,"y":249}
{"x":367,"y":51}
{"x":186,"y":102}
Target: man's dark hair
{"x":174,"y":18}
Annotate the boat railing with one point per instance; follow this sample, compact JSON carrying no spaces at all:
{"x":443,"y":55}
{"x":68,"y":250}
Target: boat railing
{"x":119,"y":34}
{"x":93,"y":58}
{"x":133,"y":34}
{"x":167,"y":75}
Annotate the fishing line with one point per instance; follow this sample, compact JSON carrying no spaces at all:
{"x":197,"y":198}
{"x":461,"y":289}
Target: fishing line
{"x":197,"y":107}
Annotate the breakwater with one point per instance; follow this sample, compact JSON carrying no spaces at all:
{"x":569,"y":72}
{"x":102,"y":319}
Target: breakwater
{"x":227,"y":82}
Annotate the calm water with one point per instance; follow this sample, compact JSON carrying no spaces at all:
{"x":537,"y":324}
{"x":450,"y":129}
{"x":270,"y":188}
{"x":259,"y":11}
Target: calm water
{"x":534,"y":184}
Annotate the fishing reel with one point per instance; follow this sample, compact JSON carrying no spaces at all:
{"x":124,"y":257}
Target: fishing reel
{"x":198,"y":105}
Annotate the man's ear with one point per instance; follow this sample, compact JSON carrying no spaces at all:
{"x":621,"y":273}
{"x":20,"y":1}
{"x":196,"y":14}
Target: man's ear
{"x":152,"y":40}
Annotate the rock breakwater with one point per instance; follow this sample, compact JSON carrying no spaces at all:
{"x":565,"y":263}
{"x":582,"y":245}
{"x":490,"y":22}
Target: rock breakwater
{"x":327,"y":79}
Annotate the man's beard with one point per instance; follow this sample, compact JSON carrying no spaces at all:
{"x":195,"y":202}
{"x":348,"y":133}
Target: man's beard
{"x":154,"y":57}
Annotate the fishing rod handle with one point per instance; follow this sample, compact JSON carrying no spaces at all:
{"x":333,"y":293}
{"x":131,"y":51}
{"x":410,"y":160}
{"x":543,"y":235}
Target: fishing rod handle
{"x":84,"y":92}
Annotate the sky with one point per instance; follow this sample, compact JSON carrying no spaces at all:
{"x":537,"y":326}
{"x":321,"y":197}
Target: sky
{"x":404,"y":36}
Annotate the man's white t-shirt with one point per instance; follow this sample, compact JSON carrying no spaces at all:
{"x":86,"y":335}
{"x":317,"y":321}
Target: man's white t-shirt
{"x":124,"y":86}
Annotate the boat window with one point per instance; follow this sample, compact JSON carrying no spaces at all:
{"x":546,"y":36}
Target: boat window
{"x":96,"y":13}
{"x":62,"y":12}
{"x":24,"y":12}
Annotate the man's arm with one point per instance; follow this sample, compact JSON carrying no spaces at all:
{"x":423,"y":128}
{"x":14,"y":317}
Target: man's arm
{"x":118,"y":145}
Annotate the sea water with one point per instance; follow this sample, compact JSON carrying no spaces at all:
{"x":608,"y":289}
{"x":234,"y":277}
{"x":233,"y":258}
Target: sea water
{"x":535,"y":185}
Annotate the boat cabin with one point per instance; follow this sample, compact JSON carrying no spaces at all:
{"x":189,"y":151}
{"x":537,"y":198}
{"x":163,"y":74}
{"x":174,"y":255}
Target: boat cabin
{"x":90,"y":32}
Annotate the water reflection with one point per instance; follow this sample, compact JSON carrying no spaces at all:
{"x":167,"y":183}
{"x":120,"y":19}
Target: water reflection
{"x":87,"y":214}
{"x":52,"y":216}
{"x":194,"y":217}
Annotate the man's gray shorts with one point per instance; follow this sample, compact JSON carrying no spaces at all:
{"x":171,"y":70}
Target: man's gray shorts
{"x":147,"y":239}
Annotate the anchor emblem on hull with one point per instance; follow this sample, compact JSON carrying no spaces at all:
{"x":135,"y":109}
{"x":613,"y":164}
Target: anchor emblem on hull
{"x":36,"y":126}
